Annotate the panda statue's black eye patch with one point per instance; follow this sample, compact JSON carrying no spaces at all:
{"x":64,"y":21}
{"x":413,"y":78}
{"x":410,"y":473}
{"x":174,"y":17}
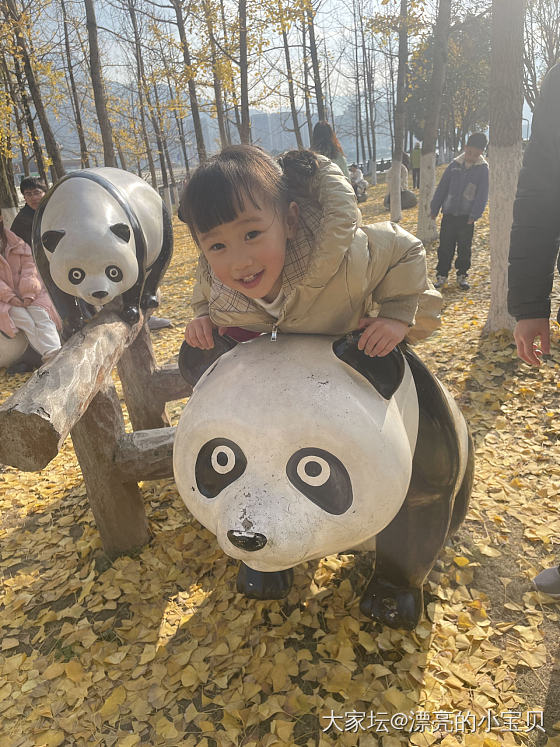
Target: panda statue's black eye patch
{"x":121,"y":231}
{"x":219,"y":463}
{"x":114,"y":273}
{"x":76,"y":275}
{"x":322,"y":478}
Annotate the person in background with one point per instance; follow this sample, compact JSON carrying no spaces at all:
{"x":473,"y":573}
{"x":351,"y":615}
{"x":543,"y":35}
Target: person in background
{"x":533,"y":251}
{"x":325,"y":142}
{"x":33,"y":191}
{"x":461,"y":194}
{"x":358,"y":182}
{"x":415,"y":158}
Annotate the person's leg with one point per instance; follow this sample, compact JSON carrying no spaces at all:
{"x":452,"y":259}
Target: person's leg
{"x":38,"y":327}
{"x":447,"y":243}
{"x":465,"y":233}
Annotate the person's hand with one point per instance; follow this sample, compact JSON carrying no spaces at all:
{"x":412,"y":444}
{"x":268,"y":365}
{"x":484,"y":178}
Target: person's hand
{"x":16,"y":301}
{"x":198,"y":333}
{"x":380,"y":335}
{"x":525,"y":333}
{"x":27,"y":301}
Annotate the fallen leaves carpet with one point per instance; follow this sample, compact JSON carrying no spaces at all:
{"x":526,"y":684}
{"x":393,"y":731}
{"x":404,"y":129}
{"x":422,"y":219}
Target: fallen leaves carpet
{"x":159,"y":649}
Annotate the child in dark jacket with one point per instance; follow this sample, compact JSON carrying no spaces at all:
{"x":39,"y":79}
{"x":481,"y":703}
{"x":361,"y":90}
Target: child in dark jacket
{"x":462,"y":194}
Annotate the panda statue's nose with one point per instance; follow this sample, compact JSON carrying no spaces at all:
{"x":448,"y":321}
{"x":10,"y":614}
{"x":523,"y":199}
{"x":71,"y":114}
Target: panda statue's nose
{"x":249,"y":541}
{"x":99,"y":294}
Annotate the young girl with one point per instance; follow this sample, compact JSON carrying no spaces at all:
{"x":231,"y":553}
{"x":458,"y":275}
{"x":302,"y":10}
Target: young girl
{"x":24,"y":301}
{"x":282,"y":249}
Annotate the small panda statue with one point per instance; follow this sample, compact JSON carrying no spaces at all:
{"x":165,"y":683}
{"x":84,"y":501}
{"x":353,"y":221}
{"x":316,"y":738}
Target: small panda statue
{"x":99,"y":234}
{"x":296,"y":449}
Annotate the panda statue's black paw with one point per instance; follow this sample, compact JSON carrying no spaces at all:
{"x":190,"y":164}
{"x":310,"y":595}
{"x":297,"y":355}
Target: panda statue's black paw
{"x":149,"y":301}
{"x":263,"y":584}
{"x":394,"y":606}
{"x":130,"y":314}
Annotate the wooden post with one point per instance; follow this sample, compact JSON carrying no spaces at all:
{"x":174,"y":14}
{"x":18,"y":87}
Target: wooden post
{"x":136,"y":368}
{"x":36,"y":419}
{"x":117,"y":506}
{"x":145,"y":455}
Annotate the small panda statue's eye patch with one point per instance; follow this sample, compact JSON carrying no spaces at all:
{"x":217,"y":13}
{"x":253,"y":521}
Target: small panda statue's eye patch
{"x":76,"y":275}
{"x":322,"y":478}
{"x":114,"y":273}
{"x":219,"y":463}
{"x":121,"y":231}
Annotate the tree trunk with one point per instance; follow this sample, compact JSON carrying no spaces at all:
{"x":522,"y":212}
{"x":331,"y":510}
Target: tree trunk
{"x":395,"y":190}
{"x":84,"y":156}
{"x":99,"y":95}
{"x":217,"y":83}
{"x":50,"y":142}
{"x":506,"y":108}
{"x":427,"y":229}
{"x":195,"y":111}
{"x":315,"y":63}
{"x":37,"y":150}
{"x":306,"y":91}
{"x":245,"y":133}
{"x":291,"y":93}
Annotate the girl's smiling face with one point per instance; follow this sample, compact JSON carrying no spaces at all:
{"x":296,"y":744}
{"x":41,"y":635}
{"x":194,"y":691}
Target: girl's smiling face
{"x":248,"y":253}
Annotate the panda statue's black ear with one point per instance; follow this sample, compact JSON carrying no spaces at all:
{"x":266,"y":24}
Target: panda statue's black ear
{"x":121,"y":230}
{"x":193,"y":362}
{"x":50,"y":239}
{"x":384,"y":373}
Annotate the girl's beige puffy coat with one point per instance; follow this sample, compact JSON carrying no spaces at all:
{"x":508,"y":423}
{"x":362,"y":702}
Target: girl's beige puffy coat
{"x":336,"y":272}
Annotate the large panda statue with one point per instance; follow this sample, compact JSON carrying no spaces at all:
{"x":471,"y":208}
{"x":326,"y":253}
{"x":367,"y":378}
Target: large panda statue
{"x":99,"y":234}
{"x":299,"y":448}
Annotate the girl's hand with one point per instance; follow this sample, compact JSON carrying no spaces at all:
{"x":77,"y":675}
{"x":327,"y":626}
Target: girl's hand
{"x":380,"y":335}
{"x":198,"y":333}
{"x":28,"y":301}
{"x":16,"y":301}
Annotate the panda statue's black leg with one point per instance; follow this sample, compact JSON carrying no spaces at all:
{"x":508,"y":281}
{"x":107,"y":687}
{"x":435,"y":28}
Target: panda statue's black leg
{"x":264,"y":584}
{"x":407,"y":549}
{"x":157,"y":270}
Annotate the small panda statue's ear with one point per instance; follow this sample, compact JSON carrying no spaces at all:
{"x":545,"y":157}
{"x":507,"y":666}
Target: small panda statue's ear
{"x":385,"y":374}
{"x":50,"y":239}
{"x":121,"y":230}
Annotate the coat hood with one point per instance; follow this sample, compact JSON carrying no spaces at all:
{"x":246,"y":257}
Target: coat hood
{"x":479,"y":162}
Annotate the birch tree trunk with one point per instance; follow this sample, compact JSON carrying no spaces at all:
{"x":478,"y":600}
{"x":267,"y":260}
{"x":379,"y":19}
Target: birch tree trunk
{"x":395,"y":190}
{"x":506,"y":107}
{"x":427,"y":228}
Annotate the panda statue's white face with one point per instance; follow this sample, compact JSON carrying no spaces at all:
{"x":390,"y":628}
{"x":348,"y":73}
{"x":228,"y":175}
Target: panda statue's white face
{"x":88,"y":243}
{"x":287,"y":454}
{"x":87,"y":237}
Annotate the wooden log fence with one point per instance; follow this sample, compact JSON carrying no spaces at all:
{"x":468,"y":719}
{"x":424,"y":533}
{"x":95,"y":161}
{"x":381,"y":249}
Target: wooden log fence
{"x":75,"y":395}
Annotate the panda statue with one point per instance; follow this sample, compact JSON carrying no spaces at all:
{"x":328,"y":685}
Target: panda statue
{"x":99,"y":234}
{"x":303,"y":447}
{"x":11,"y":348}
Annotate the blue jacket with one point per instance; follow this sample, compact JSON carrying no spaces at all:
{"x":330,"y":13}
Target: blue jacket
{"x":462,"y":191}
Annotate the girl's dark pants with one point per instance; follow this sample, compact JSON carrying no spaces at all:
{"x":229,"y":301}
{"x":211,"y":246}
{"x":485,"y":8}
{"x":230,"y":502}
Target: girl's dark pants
{"x":455,"y":233}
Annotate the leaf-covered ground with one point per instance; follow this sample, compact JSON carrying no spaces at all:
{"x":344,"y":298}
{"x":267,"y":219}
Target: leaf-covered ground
{"x":159,"y":649}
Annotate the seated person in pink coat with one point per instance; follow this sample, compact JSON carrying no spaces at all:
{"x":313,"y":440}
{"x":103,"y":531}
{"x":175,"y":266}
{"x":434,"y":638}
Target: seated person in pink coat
{"x":24,"y":302}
